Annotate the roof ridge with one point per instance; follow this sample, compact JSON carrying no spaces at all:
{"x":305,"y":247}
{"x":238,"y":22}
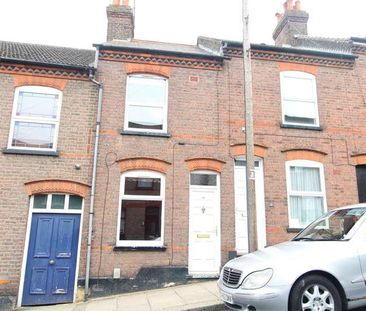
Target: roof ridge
{"x":159,"y":42}
{"x":323,"y":38}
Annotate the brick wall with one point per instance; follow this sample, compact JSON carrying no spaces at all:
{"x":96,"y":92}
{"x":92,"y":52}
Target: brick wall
{"x":205,"y":111}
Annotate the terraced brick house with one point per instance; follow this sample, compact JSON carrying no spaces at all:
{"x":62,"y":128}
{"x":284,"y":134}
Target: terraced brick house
{"x":47,"y":124}
{"x":170,"y":193}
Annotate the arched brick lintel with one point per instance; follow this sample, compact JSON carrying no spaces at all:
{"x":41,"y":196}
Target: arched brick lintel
{"x":57,"y":186}
{"x":143,"y":164}
{"x":59,"y":84}
{"x":205,"y":164}
{"x":298,"y":67}
{"x":359,"y":159}
{"x":132,"y":68}
{"x":240,"y":149}
{"x":304,"y":154}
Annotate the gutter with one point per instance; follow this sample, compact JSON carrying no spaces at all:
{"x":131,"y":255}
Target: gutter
{"x":358,"y":40}
{"x":94,"y":173}
{"x":303,"y":51}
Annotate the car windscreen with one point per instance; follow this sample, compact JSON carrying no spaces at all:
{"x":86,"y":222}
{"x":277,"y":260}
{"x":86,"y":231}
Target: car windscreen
{"x":333,"y":226}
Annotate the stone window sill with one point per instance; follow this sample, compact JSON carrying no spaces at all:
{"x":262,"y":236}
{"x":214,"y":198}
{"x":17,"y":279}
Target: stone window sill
{"x":301,"y":127}
{"x":139,"y":249}
{"x":145,"y":134}
{"x":31,"y":152}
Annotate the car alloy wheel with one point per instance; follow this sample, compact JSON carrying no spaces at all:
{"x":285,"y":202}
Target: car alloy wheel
{"x":317,"y":297}
{"x":315,"y":293}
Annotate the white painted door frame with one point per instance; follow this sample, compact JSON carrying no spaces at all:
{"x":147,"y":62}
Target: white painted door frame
{"x":32,"y":211}
{"x":204,"y":250}
{"x":241,"y":228}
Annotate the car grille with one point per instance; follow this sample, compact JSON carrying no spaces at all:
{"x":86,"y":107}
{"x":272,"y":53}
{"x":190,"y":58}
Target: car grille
{"x":231,"y":276}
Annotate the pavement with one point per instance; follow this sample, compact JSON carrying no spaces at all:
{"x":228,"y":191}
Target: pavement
{"x":201,"y":296}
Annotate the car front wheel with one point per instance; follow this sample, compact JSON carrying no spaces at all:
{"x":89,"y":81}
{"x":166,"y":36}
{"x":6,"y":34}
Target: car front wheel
{"x":315,"y":293}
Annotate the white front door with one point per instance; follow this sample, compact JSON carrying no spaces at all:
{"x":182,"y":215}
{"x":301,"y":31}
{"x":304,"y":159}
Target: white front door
{"x":241,"y":226}
{"x":204,"y":225}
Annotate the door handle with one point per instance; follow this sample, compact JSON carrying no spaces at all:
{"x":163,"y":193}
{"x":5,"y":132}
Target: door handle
{"x":51,"y":262}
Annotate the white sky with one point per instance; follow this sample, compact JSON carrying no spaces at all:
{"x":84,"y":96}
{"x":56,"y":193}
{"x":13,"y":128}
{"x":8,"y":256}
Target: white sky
{"x":80,"y":23}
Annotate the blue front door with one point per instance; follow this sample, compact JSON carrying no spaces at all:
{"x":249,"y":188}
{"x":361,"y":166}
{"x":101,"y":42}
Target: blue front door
{"x":51,"y":261}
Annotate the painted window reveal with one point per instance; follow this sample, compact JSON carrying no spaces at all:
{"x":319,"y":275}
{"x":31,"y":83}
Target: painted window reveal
{"x":306,"y":192}
{"x":35,"y":119}
{"x":299,"y":98}
{"x":57,"y":202}
{"x":243,"y":163}
{"x":146,"y":103}
{"x":142,"y":209}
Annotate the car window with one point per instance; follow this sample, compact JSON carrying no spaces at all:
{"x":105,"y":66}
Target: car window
{"x":333,"y":226}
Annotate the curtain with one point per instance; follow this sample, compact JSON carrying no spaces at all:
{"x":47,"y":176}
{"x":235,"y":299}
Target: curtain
{"x":304,"y":207}
{"x":305,"y":178}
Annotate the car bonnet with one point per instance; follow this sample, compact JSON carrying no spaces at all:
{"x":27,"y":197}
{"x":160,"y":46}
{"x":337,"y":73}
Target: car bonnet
{"x":291,"y":254}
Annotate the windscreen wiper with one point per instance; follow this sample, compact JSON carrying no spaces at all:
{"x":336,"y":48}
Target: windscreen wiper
{"x":303,"y":239}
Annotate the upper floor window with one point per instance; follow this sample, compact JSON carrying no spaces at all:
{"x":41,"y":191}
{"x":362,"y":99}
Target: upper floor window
{"x":141,"y":214}
{"x":299,"y":99}
{"x":306,"y":192}
{"x":146,"y":103}
{"x":35,"y":118}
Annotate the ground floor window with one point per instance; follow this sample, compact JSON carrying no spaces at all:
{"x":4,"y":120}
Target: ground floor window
{"x":361,"y":182}
{"x":306,"y":192}
{"x":141,"y":213}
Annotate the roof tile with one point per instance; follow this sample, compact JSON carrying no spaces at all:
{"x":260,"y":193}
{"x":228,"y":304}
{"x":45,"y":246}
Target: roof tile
{"x":45,"y":54}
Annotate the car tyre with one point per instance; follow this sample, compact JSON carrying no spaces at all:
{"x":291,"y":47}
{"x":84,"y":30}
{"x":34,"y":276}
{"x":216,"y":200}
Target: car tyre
{"x":315,"y":292}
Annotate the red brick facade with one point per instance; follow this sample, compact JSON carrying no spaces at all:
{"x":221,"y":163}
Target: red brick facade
{"x":204,"y":132}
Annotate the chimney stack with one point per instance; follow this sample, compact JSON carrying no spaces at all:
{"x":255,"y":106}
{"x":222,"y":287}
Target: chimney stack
{"x":294,"y":21}
{"x":120,"y":21}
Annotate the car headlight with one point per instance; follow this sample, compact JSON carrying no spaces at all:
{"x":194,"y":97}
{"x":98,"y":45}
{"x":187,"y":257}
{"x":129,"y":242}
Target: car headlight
{"x":257,"y":279}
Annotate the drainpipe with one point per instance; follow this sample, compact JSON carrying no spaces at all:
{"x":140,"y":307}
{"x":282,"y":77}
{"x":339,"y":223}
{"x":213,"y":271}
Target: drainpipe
{"x":94,"y":174}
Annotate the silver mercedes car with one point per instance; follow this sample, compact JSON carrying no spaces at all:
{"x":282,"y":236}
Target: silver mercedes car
{"x":323,"y":268}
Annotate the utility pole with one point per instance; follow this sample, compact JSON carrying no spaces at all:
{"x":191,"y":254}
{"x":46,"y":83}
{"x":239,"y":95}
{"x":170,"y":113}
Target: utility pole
{"x":249,"y":139}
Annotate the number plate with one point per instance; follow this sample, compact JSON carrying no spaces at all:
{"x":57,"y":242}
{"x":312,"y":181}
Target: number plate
{"x":226,"y":297}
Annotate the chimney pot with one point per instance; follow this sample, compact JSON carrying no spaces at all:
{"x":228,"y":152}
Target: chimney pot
{"x":298,"y":5}
{"x":115,"y":2}
{"x":288,"y":5}
{"x":279,"y":16}
{"x":126,"y":3}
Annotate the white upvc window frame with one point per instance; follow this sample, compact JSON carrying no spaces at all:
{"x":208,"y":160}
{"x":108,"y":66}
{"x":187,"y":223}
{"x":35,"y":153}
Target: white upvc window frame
{"x":164,"y":105}
{"x":314,"y":100}
{"x":304,"y":163}
{"x":161,"y":197}
{"x":41,"y":120}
